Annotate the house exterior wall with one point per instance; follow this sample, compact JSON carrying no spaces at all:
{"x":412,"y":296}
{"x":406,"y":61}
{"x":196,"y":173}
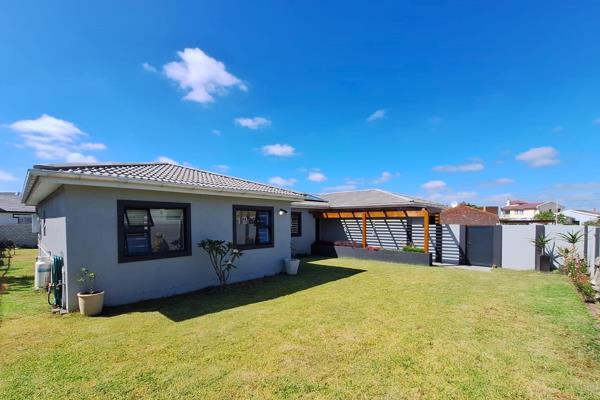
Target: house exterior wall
{"x":303,"y":242}
{"x":53,"y":229}
{"x":7,"y":218}
{"x":92,"y":243}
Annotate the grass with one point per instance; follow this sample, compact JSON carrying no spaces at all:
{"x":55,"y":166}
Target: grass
{"x":341,"y":329}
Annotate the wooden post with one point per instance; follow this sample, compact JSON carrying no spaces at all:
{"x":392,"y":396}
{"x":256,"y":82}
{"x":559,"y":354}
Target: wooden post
{"x":426,"y":230}
{"x":364,"y":230}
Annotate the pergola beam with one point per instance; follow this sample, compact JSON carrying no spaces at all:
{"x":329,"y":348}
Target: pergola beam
{"x":364,"y":214}
{"x":372,"y":214}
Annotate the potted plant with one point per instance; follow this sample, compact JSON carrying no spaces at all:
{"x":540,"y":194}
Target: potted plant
{"x":541,"y":243}
{"x":90,"y":299}
{"x":292,"y":263}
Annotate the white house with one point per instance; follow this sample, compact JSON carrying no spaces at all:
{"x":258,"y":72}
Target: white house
{"x":137,"y":226}
{"x":581,"y":216}
{"x":524,"y":211}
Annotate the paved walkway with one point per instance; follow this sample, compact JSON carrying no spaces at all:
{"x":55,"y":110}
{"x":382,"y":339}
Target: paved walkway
{"x":466,"y":267}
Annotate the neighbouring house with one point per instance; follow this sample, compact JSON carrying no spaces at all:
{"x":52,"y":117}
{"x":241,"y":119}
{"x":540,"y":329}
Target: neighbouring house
{"x":137,"y":225}
{"x":519,"y":211}
{"x":464,"y":214}
{"x":12,"y":211}
{"x":580,"y":217}
{"x":15,"y":220}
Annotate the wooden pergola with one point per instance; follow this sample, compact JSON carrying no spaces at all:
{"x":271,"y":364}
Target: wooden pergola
{"x":368,"y":214}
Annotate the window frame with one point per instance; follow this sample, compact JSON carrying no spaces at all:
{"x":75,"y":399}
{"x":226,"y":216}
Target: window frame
{"x":271,"y":210}
{"x":141,"y":204}
{"x":299,"y":214}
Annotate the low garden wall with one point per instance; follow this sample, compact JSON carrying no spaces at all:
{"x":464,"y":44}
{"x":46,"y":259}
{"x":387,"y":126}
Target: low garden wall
{"x":370,"y":253}
{"x":19,"y":234}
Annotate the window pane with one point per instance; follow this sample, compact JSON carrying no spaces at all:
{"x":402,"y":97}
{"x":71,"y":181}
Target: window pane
{"x":245,"y":227}
{"x":167,"y":232}
{"x":137,"y":243}
{"x":295,"y":224}
{"x":252,"y":227}
{"x":263,"y":222}
{"x":137,"y":217}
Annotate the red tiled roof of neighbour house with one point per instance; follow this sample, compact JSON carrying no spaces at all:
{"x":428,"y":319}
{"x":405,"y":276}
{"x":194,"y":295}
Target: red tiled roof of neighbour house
{"x":171,"y":174}
{"x":522,"y":206}
{"x":463,"y":214}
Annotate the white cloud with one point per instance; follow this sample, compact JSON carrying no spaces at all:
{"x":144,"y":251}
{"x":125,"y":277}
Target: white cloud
{"x":80,"y":158}
{"x":317,"y":176}
{"x":434,"y":185}
{"x":497,"y":198}
{"x":216,"y":132}
{"x":253,"y":123}
{"x":448,"y":197}
{"x":279,"y":181}
{"x":341,"y":188}
{"x":149,"y":67}
{"x":499,"y":182}
{"x":91,"y":146}
{"x":539,"y":156}
{"x":384,"y":177}
{"x":469,"y":167}
{"x":48,"y":129}
{"x":222,"y":168}
{"x":379,"y":114}
{"x":6,"y":176}
{"x":54,"y":139}
{"x":201,"y":76}
{"x":279,"y":150}
{"x":165,"y":159}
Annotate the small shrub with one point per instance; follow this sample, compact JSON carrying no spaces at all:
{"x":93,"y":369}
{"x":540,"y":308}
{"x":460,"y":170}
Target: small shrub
{"x":222,"y":256}
{"x":576,"y":268}
{"x":87,"y":279}
{"x":411,"y":248}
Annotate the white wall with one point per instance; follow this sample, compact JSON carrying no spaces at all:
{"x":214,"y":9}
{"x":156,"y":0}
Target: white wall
{"x":303,"y":242}
{"x":92,"y":243}
{"x":518,"y":250}
{"x":7,"y":218}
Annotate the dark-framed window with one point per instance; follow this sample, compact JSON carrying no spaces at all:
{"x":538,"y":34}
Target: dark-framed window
{"x":296,"y":224}
{"x":252,"y":227}
{"x":149,"y":230}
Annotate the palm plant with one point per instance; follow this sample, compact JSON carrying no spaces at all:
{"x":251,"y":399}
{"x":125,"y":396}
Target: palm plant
{"x":572,"y":237}
{"x":542,"y":242}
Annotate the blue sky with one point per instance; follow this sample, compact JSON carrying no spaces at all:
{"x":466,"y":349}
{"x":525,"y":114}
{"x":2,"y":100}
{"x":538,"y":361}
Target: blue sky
{"x":475,"y":101}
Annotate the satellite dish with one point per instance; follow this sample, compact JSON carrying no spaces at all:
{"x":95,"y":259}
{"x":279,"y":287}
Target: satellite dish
{"x":454,"y":204}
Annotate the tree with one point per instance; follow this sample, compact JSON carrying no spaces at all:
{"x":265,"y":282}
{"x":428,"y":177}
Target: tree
{"x":7,"y":248}
{"x":550,"y":216}
{"x":222,"y":256}
{"x":595,"y":222}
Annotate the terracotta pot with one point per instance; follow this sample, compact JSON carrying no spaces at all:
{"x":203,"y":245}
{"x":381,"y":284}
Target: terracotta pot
{"x":90,"y":304}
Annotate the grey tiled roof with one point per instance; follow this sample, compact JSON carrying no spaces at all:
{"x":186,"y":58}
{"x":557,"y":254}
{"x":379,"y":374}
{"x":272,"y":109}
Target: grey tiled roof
{"x":375,"y":198}
{"x":172,"y":174}
{"x":11,"y":202}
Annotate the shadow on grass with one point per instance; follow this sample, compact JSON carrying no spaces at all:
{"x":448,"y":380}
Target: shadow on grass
{"x":11,"y":283}
{"x":208,"y":301}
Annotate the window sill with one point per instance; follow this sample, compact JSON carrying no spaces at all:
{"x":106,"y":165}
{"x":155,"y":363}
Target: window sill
{"x":253,"y":246}
{"x":147,"y":257}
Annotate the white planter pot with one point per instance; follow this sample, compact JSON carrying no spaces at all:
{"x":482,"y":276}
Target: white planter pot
{"x":90,"y":304}
{"x":291,"y":266}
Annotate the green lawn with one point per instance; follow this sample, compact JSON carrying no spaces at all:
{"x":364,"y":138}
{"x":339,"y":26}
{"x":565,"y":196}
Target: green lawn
{"x":340,"y":329}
